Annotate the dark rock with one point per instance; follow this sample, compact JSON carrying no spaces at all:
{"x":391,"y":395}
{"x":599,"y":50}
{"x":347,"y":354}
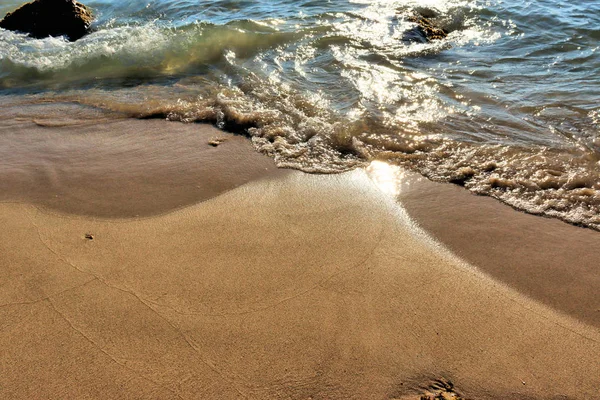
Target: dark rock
{"x":43,"y":18}
{"x":428,"y":28}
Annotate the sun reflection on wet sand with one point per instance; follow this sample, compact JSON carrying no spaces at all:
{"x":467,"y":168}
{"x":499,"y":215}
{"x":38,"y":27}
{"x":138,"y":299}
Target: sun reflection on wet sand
{"x":388,"y":178}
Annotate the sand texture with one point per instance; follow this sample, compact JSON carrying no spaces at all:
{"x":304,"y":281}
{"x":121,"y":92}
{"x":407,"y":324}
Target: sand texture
{"x":115,"y":167}
{"x":302,"y":287}
{"x":549,"y":260}
{"x":270,"y":285}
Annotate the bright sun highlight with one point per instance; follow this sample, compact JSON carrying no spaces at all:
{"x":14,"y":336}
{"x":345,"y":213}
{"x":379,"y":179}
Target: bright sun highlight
{"x":387,"y":177}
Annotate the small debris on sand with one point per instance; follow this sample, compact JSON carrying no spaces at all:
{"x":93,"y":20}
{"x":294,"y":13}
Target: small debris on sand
{"x":441,"y":389}
{"x":214,"y":142}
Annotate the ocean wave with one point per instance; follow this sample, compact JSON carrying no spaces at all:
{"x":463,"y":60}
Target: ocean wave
{"x":130,"y":51}
{"x":151,"y":48}
{"x":298,"y":132}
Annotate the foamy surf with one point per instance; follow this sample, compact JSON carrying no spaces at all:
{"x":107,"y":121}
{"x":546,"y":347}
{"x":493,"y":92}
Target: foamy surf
{"x":325,"y":88}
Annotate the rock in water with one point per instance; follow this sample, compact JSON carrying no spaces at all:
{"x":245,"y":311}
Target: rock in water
{"x":43,"y":18}
{"x":428,"y":28}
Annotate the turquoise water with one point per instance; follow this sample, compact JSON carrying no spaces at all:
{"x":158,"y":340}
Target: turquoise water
{"x":507,"y":105}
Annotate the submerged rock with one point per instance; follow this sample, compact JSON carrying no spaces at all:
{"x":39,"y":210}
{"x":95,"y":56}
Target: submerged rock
{"x":43,"y":18}
{"x":428,"y":28}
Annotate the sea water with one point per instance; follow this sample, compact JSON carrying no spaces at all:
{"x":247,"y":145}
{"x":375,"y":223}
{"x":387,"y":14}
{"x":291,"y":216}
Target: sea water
{"x":508,"y":105}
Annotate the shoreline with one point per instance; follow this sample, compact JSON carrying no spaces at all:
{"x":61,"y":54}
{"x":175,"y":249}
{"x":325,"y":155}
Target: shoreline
{"x":277,"y":284}
{"x":545,"y":258}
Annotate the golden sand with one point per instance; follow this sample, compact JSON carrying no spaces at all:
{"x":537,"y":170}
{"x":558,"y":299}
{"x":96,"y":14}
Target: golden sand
{"x":288,"y":286}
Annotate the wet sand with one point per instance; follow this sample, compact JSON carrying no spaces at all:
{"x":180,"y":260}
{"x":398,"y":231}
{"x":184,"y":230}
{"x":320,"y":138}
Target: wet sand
{"x":549,"y":260}
{"x":81,"y":160}
{"x":273,"y":285}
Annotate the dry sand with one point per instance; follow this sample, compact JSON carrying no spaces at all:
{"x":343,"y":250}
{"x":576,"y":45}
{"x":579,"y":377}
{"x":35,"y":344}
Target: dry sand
{"x":289,"y":286}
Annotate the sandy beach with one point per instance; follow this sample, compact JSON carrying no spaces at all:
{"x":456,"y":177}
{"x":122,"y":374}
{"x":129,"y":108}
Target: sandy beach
{"x":178,"y":269}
